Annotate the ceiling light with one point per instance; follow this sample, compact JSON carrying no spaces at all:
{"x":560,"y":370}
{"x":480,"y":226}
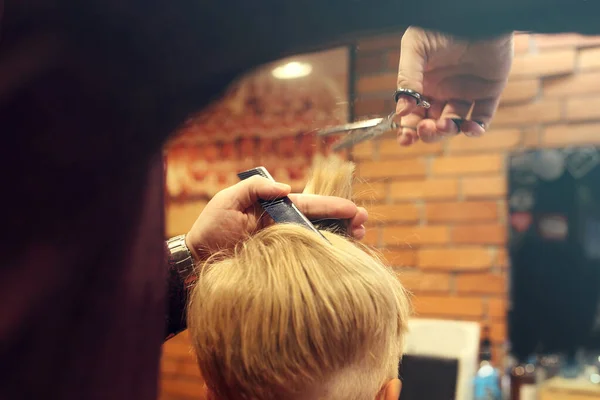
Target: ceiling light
{"x":292,"y":70}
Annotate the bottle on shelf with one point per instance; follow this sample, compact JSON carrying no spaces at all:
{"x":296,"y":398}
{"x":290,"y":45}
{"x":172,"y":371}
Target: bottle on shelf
{"x":523,"y":380}
{"x":572,"y":367}
{"x":508,"y":363}
{"x":548,"y":367}
{"x":487,"y":379}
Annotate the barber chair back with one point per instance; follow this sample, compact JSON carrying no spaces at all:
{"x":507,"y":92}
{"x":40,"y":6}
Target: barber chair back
{"x":439,"y":352}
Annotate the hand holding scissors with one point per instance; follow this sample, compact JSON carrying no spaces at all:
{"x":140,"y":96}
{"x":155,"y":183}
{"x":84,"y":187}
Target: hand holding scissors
{"x":370,"y":129}
{"x":462,"y":80}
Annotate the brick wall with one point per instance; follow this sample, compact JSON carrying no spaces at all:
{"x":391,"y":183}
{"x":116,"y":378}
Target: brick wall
{"x":437,"y":211}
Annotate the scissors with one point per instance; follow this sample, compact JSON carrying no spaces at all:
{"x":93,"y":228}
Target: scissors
{"x":372,"y":128}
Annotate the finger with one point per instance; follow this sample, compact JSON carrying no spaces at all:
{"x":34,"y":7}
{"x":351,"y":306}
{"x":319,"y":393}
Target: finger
{"x":359,"y":232}
{"x":450,"y":121}
{"x":483,"y":112}
{"x":360,"y":218}
{"x":247,"y":192}
{"x":410,"y":71}
{"x":317,"y":207}
{"x":427,"y":131}
{"x":407,"y":134}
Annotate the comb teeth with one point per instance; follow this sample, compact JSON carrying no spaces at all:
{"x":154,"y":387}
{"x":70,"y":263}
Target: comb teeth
{"x":337,"y":226}
{"x":260,"y":171}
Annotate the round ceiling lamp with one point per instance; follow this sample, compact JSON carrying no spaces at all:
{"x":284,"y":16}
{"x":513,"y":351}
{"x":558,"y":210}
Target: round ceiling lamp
{"x":292,"y":70}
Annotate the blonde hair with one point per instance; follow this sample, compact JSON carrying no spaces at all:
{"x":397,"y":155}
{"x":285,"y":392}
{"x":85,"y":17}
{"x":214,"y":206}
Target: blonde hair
{"x":288,"y":315}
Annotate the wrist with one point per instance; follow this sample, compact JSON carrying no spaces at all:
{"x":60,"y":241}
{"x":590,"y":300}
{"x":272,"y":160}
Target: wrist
{"x":193,"y":251}
{"x":181,"y":259}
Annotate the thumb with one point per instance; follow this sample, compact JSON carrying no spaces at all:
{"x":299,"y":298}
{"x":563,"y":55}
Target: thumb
{"x":413,"y":58}
{"x":249,"y":191}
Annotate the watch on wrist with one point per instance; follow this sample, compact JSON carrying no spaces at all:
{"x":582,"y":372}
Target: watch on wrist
{"x":180,"y":257}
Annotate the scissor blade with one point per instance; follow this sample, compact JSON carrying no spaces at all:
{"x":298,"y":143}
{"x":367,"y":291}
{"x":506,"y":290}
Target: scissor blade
{"x":351,"y":140}
{"x":355,"y":138}
{"x":369,"y":123}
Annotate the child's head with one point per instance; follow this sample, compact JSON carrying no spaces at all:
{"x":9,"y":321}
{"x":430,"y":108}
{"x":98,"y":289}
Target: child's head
{"x":288,"y":315}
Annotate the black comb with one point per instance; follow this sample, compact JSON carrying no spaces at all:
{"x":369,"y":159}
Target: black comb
{"x":281,"y":210}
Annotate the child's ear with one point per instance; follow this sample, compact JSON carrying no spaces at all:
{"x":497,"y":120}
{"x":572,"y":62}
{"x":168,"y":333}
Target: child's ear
{"x":391,"y":390}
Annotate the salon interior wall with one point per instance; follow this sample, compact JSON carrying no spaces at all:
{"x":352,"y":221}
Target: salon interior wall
{"x":438,"y":210}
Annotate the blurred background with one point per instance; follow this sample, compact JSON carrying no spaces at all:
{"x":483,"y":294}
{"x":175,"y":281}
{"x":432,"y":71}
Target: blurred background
{"x":451,"y":217}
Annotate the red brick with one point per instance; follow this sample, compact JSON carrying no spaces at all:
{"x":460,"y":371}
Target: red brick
{"x":462,"y":165}
{"x":532,"y":113}
{"x":493,"y":233}
{"x":392,"y":169}
{"x":385,"y":83}
{"x":552,"y":41}
{"x":393,"y":213}
{"x":456,"y":259}
{"x":369,"y":107}
{"x":522,"y":43}
{"x":428,"y":189}
{"x":415,"y":235}
{"x":468,"y":211}
{"x":400,"y":258}
{"x":583,"y":108}
{"x":498,"y":332}
{"x":363,"y":151}
{"x":544,"y":64}
{"x":380,"y":42}
{"x":484,"y":187}
{"x":531,"y":137}
{"x":484,"y":283}
{"x":372,"y":236}
{"x":497,"y":308}
{"x":178,"y":347}
{"x":572,"y":85}
{"x":502,"y":208}
{"x":182,"y":386}
{"x":370,"y":63}
{"x":499,"y":139}
{"x":571,"y":135}
{"x":390,"y":148}
{"x":498,"y":354}
{"x":448,"y":306}
{"x":369,"y":191}
{"x":589,"y":58}
{"x":179,"y":366}
{"x":424,"y":282}
{"x":502,"y":259}
{"x":393,"y":60}
{"x":180,"y":216}
{"x":517,"y":91}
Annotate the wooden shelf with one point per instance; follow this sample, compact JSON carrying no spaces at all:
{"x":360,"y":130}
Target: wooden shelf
{"x":569,"y":389}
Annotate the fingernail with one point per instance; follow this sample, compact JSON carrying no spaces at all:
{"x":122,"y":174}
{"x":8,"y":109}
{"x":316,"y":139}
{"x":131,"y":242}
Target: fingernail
{"x":284,"y":187}
{"x":359,"y":233}
{"x":472,"y":134}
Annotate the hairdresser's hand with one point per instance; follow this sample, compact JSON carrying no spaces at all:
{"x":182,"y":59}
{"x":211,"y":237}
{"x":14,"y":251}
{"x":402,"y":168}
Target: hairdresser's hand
{"x":233,"y":213}
{"x":452,"y":75}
